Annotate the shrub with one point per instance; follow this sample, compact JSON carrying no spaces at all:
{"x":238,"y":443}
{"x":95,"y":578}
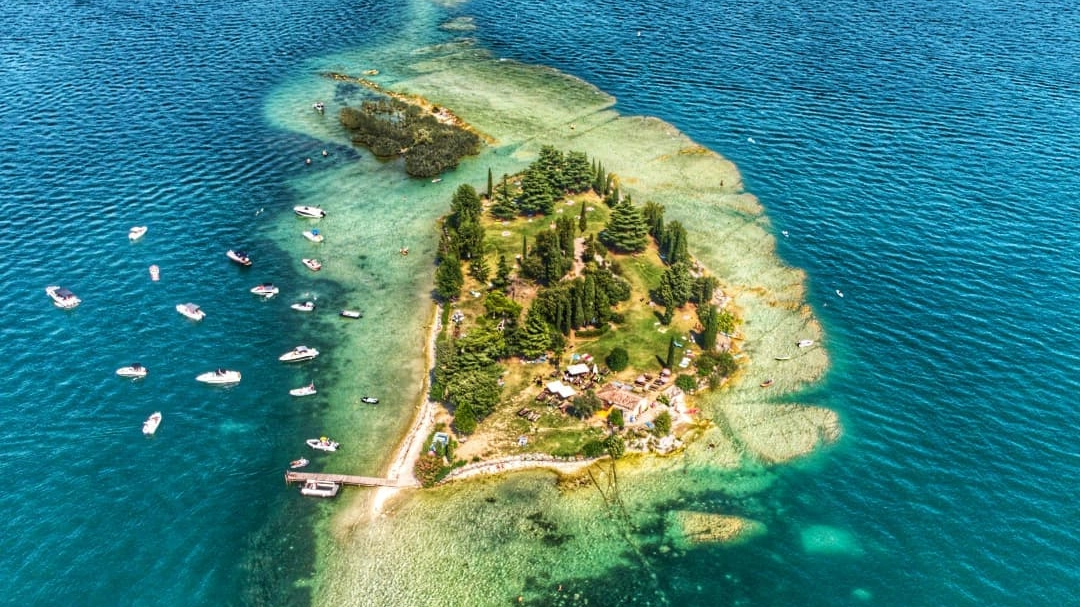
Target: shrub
{"x":686,"y":383}
{"x":615,"y":418}
{"x":662,"y":424}
{"x":615,"y":445}
{"x":618,"y":359}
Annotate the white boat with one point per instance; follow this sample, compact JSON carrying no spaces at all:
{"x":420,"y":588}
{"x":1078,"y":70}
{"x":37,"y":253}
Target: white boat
{"x":298,"y":463}
{"x":313,"y":236}
{"x":62,"y":297}
{"x":371,"y":400}
{"x":804,"y":343}
{"x":151,"y":424}
{"x":315,"y":488}
{"x":839,"y":293}
{"x":155,"y":273}
{"x":299,"y":353}
{"x":240,"y":257}
{"x":307,"y":390}
{"x":219,"y":376}
{"x":191,"y":310}
{"x":352,"y":314}
{"x":309,"y":212}
{"x":318,"y":106}
{"x":322,"y":444}
{"x":134,"y":370}
{"x":266,"y":289}
{"x":312,"y":264}
{"x":136,"y":233}
{"x":307,"y":306}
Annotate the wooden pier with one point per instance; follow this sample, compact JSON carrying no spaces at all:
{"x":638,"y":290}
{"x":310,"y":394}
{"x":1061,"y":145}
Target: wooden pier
{"x":342,"y":479}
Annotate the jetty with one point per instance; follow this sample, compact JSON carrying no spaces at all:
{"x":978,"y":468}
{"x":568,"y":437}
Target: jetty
{"x":343,"y":479}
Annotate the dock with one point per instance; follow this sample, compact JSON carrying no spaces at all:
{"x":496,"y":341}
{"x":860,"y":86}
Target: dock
{"x":342,"y":479}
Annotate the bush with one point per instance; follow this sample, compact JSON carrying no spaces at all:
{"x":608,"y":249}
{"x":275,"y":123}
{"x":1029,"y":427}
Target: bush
{"x":615,"y":418}
{"x":618,"y":359}
{"x":662,"y":424}
{"x":615,"y":445}
{"x":686,"y":383}
{"x":593,"y":448}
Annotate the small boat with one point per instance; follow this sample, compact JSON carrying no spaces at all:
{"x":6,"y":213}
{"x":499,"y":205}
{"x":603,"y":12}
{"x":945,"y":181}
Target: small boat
{"x":352,"y":314}
{"x":315,"y":488}
{"x":239,"y":257}
{"x":804,"y":343}
{"x":134,"y":370}
{"x":62,"y":297}
{"x":322,"y":444}
{"x":136,"y":233}
{"x":149,"y":427}
{"x":307,"y":306}
{"x":839,"y":293}
{"x":767,"y":383}
{"x":313,"y":236}
{"x":783,"y":358}
{"x":307,"y":390}
{"x":309,"y":212}
{"x":298,"y":463}
{"x":155,"y":273}
{"x":318,"y":106}
{"x":219,"y":376}
{"x":266,"y":289}
{"x":437,"y":180}
{"x":312,"y":264}
{"x":371,"y":400}
{"x":191,"y":310}
{"x":371,"y":72}
{"x":298,"y":354}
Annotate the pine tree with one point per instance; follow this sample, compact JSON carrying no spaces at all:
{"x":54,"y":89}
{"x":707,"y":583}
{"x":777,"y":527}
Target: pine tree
{"x":577,"y":176}
{"x":582,"y":223}
{"x":537,"y":195}
{"x":673,"y":244}
{"x":536,"y":335}
{"x":564,"y":227}
{"x":502,"y":273}
{"x":550,"y":165}
{"x":448,"y":278}
{"x":465,"y":206}
{"x":478,"y":269}
{"x":626,"y":230}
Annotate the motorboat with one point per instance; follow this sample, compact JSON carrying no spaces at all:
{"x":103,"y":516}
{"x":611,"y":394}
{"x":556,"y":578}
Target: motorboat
{"x":804,"y":343}
{"x":191,"y":310}
{"x":307,"y":390}
{"x":318,"y":106}
{"x":767,"y":383}
{"x":299,"y":353}
{"x":315,"y":488}
{"x":62,"y":297}
{"x":150,"y":426}
{"x":783,"y":358}
{"x":309,"y":212}
{"x":298,"y":463}
{"x":240,"y":257}
{"x":307,"y":306}
{"x":136,"y":233}
{"x":352,"y":314}
{"x":155,"y":273}
{"x":266,"y":289}
{"x":313,"y":236}
{"x":839,"y":293}
{"x":371,"y":400}
{"x":312,"y":264}
{"x":219,"y":376}
{"x":134,"y":370}
{"x":322,"y":444}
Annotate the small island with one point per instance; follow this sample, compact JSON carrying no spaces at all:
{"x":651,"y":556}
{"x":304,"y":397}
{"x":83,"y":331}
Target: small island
{"x":574,"y":323}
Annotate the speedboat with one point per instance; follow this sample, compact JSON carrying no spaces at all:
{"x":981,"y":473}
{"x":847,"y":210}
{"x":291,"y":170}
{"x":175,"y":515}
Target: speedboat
{"x":371,"y":400}
{"x":312,"y":264}
{"x":299,"y":353}
{"x":322,"y":444}
{"x":351,"y":314}
{"x":239,"y":257}
{"x":307,"y":390}
{"x":307,"y":306}
{"x":150,"y":425}
{"x":219,"y":376}
{"x":155,"y":273}
{"x":136,"y":233}
{"x":804,"y":343}
{"x":191,"y":310}
{"x":320,"y":488}
{"x":266,"y":289}
{"x":62,"y":297}
{"x":298,"y":463}
{"x":313,"y":236}
{"x":318,"y":106}
{"x":309,"y":212}
{"x":134,"y":370}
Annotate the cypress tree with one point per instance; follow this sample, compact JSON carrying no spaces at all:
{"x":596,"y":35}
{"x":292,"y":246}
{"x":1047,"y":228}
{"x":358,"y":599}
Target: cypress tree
{"x":582,"y":223}
{"x":670,"y":360}
{"x":489,"y":189}
{"x":654,"y":218}
{"x":478,"y":269}
{"x":502,"y":273}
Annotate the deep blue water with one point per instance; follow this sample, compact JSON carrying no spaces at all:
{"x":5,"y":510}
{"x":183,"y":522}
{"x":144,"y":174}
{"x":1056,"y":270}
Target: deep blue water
{"x":920,"y":155}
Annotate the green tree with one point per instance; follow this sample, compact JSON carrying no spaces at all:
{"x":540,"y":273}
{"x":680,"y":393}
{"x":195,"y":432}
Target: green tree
{"x":615,"y":418}
{"x":582,"y":222}
{"x":465,"y":206}
{"x":478,"y":269}
{"x":673,"y":244}
{"x":537,"y":195}
{"x":710,"y":321}
{"x":670,"y":360}
{"x":503,"y":206}
{"x":615,"y":445}
{"x":448,"y":278}
{"x":704,"y":288}
{"x":654,"y":218}
{"x":676,"y":285}
{"x":626,"y":230}
{"x":577,"y":175}
{"x":617,"y":359}
{"x":564,"y":227}
{"x":686,"y":383}
{"x":587,"y":404}
{"x":550,"y":165}
{"x":490,"y":191}
{"x":470,"y":239}
{"x":499,"y":306}
{"x":502,"y":273}
{"x":477,"y":390}
{"x":662,"y":424}
{"x":536,"y":336}
{"x":464,"y":419}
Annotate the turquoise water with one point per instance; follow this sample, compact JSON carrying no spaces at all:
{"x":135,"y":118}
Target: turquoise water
{"x":919,"y":155}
